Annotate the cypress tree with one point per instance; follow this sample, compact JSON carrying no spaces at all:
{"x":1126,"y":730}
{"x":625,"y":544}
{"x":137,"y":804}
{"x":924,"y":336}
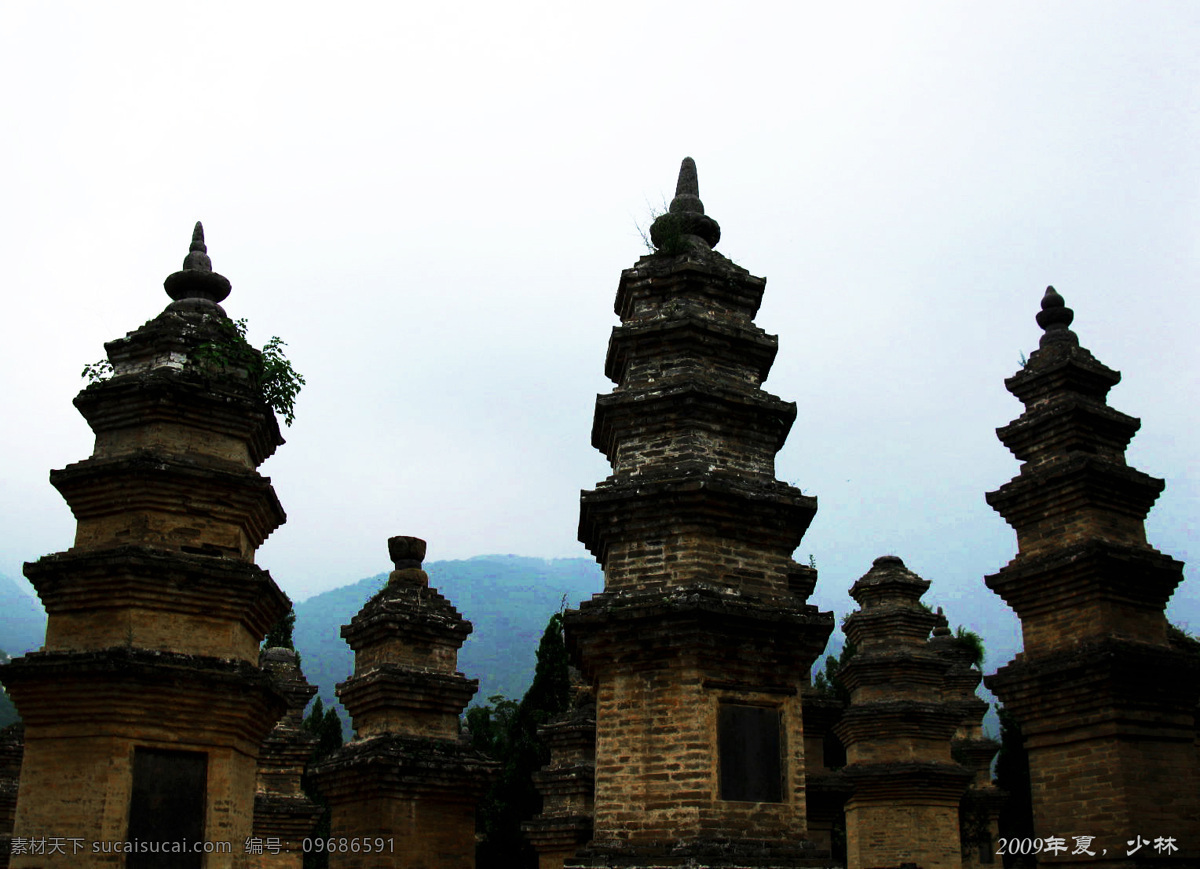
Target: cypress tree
{"x":1012,"y":776}
{"x":326,"y":725}
{"x":280,"y":635}
{"x":514,"y":798}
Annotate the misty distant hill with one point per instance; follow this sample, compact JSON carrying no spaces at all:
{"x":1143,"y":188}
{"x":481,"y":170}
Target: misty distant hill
{"x":22,"y":619}
{"x":507,"y":598}
{"x":8,"y":712}
{"x":22,"y":629}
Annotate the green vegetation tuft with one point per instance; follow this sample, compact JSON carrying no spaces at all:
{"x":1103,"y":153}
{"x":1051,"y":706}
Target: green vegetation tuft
{"x":972,"y":642}
{"x":268,"y":371}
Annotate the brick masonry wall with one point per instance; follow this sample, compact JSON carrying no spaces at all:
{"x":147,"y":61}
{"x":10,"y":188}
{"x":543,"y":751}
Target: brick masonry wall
{"x":914,"y":833}
{"x":419,"y":833}
{"x":657,"y":772}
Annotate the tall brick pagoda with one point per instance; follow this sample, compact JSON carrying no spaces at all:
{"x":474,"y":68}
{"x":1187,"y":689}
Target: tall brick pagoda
{"x":145,"y":710}
{"x":1105,"y":699}
{"x":698,"y":645}
{"x":897,"y":729}
{"x":406,"y":783}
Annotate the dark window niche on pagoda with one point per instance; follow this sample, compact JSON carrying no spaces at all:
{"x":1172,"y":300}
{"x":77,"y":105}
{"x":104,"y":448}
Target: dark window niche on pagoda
{"x":167,"y":807}
{"x":751,"y":760}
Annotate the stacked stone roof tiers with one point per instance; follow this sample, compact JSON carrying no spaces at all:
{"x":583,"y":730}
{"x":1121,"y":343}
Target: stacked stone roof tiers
{"x":406,"y":775}
{"x":690,"y":434}
{"x":1105,"y":700}
{"x":169,"y":493}
{"x":406,"y":641}
{"x":979,"y":810}
{"x":177,"y":442}
{"x":692,"y":445}
{"x":282,"y":810}
{"x":703,"y":608}
{"x":1077,"y":507}
{"x":897,"y":728}
{"x":156,"y":613}
{"x":567,"y":784}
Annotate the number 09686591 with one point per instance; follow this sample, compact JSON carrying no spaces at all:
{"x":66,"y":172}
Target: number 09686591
{"x":351,"y":845}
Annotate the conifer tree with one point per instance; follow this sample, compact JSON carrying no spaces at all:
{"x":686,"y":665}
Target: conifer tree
{"x":280,"y":635}
{"x":1012,"y":777}
{"x":326,"y":725}
{"x":513,"y":797}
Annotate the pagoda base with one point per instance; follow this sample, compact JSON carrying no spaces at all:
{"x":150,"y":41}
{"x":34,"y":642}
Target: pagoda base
{"x":1110,"y":731}
{"x":557,"y":839}
{"x":283,"y":822}
{"x":411,"y":799}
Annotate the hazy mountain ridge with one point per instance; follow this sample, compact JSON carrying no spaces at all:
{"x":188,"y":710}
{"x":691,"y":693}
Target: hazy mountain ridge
{"x":508,"y":599}
{"x":22,"y":619}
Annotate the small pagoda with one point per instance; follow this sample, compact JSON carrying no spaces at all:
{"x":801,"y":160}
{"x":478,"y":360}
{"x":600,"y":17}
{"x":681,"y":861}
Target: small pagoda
{"x":406,"y":787}
{"x":567,"y":784}
{"x":1105,"y":690}
{"x":284,"y":816}
{"x":897,"y":729}
{"x":979,"y":810}
{"x":145,"y":710}
{"x":699,"y":644}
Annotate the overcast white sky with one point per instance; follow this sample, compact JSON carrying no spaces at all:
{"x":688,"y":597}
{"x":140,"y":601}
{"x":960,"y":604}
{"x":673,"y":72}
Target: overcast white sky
{"x":432,"y":204}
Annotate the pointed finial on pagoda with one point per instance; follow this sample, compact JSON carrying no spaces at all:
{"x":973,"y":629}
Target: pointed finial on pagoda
{"x":687,"y":190}
{"x":197,"y":257}
{"x":685,"y":226}
{"x":942,"y":627}
{"x":197,"y":280}
{"x":1055,"y":318}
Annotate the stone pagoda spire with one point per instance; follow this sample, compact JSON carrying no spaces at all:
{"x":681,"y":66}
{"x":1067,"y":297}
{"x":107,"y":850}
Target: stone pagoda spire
{"x":897,"y":729}
{"x":406,"y":782}
{"x":698,"y":646}
{"x":1105,"y":698}
{"x":146,"y":708}
{"x":284,"y":816}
